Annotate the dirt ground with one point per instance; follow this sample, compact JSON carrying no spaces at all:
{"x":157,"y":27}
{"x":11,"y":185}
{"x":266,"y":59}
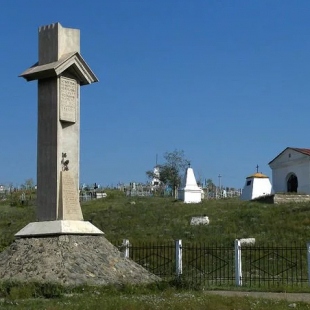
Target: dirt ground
{"x":305,"y":297}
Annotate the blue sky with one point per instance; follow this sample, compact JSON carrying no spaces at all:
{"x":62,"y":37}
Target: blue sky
{"x":225,"y":81}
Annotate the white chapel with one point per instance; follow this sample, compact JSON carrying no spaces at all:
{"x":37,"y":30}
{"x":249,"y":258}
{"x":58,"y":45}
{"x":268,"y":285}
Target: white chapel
{"x":256,"y":185}
{"x":291,"y":171}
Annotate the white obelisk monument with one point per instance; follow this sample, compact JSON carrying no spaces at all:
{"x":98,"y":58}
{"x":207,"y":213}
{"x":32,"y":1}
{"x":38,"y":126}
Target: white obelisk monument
{"x":60,"y":72}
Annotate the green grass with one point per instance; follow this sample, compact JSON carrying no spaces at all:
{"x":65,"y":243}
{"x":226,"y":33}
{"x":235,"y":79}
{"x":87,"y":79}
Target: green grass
{"x":144,"y":297}
{"x":162,"y":219}
{"x":157,"y":219}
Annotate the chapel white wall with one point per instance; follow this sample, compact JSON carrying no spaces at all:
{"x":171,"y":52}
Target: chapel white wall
{"x":284,"y":165}
{"x":259,"y":187}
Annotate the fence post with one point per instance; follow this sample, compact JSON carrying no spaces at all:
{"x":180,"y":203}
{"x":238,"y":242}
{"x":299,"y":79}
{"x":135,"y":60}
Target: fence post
{"x":125,"y":247}
{"x":178,"y":258}
{"x":308,"y":259}
{"x":238,"y":266}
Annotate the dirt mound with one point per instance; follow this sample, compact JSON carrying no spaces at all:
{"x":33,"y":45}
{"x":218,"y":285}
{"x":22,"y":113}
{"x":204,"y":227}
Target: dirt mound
{"x":70,"y":260}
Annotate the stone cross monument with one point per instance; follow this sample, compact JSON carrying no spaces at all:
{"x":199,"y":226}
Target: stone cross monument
{"x":60,"y":72}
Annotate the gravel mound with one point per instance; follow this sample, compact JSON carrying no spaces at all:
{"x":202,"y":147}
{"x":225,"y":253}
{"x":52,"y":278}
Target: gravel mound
{"x":70,"y":260}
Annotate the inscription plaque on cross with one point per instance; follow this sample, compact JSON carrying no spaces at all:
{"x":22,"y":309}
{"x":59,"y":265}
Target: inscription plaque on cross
{"x":68,"y":99}
{"x":60,"y":72}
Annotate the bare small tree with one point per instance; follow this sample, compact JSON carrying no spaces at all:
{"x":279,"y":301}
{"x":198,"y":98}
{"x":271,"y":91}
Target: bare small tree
{"x":171,"y":170}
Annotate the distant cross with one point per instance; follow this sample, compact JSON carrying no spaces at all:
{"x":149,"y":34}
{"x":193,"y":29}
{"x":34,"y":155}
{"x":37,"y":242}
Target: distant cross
{"x":257,"y":168}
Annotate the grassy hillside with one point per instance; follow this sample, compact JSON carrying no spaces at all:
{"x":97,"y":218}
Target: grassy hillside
{"x":163,"y":219}
{"x":157,"y":219}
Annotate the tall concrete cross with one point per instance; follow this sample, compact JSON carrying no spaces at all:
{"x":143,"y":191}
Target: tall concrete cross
{"x":60,"y":72}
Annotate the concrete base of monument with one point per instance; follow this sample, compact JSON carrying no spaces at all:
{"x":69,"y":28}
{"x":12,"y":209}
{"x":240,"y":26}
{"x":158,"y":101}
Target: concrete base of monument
{"x":55,"y":228}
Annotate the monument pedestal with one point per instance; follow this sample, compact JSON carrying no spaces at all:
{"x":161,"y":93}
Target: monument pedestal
{"x":56,"y":228}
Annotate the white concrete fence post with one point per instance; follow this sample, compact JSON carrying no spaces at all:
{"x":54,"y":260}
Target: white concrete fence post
{"x":125,"y":247}
{"x":238,"y":265}
{"x":178,"y":258}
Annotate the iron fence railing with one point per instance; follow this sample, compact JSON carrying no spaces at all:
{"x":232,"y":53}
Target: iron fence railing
{"x":158,"y":259}
{"x":274,"y":265}
{"x":217,"y":265}
{"x":208,"y":265}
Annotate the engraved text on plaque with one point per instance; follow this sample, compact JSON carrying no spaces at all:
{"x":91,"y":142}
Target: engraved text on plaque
{"x":68,"y":100}
{"x":70,"y":208}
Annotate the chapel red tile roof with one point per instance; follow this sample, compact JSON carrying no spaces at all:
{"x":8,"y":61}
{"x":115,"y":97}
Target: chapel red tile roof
{"x":300,"y":150}
{"x":304,"y":151}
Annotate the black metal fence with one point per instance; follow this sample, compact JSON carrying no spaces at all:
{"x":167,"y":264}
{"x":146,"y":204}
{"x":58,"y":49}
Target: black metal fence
{"x":274,"y":266}
{"x":208,"y":265}
{"x":205,"y":265}
{"x":158,"y":259}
